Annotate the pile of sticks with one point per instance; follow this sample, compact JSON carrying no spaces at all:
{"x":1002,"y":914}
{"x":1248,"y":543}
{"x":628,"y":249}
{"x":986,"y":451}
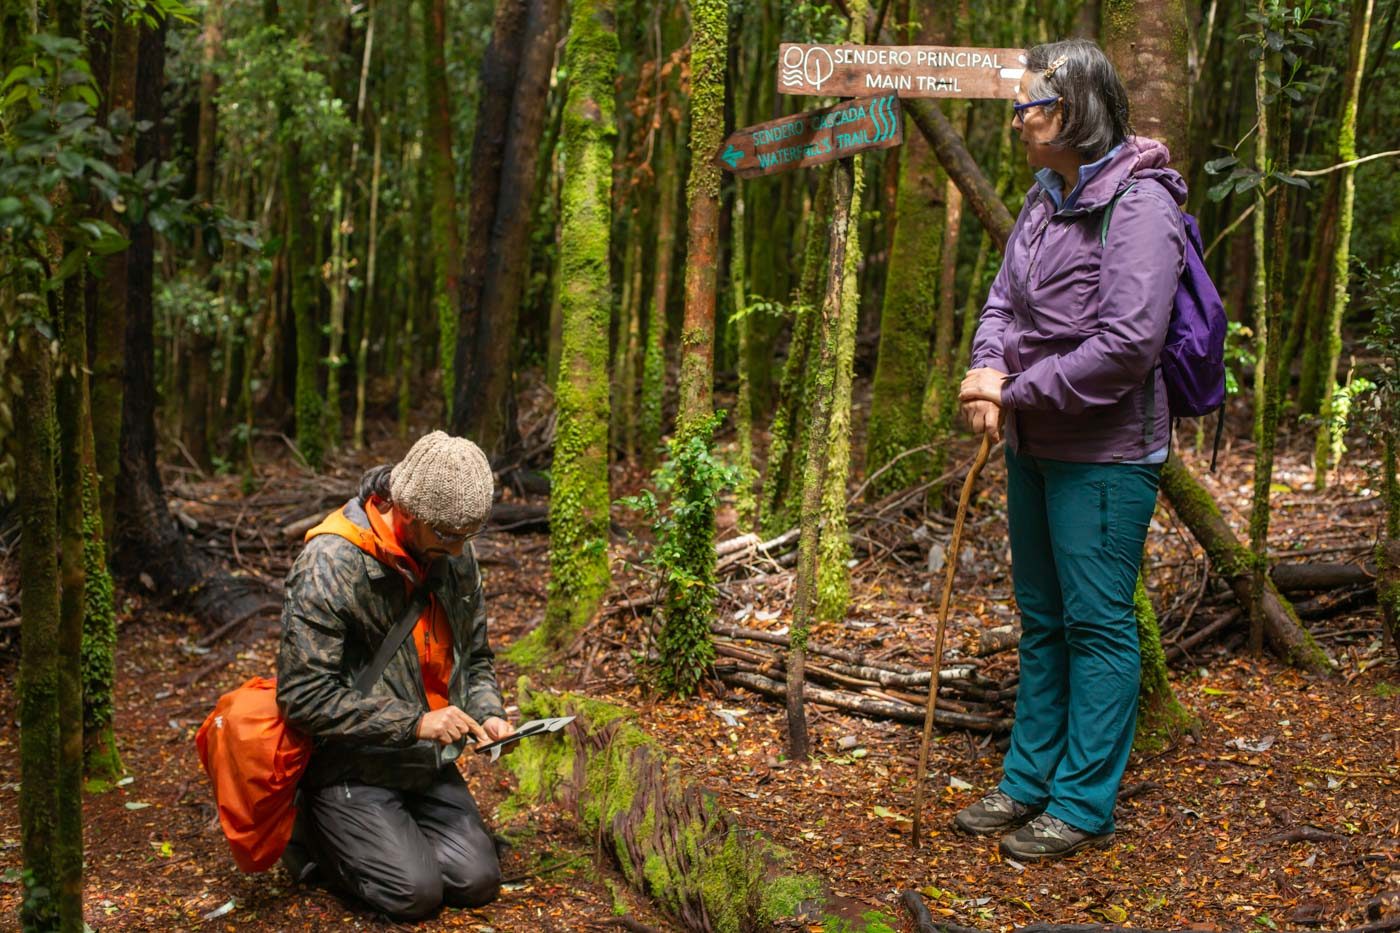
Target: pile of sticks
{"x":967,"y":699}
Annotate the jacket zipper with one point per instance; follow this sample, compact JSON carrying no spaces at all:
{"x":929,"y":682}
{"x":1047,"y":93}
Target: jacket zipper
{"x":1038,"y":241}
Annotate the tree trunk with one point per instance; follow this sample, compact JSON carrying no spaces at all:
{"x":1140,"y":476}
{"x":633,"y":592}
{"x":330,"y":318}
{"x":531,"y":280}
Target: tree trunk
{"x":109,"y":323}
{"x":1327,"y":446}
{"x":1146,"y":41}
{"x":654,"y":360}
{"x":978,"y":193}
{"x":709,"y":34}
{"x":826,"y":327}
{"x":147,"y":537}
{"x":40,"y":693}
{"x":1388,"y":547}
{"x":502,"y":165}
{"x":578,"y":503}
{"x":745,"y":506}
{"x":1162,"y":719}
{"x":368,"y":302}
{"x":1234,"y":562}
{"x":1265,"y":414}
{"x":509,"y":243}
{"x":783,"y":470}
{"x":446,"y":238}
{"x":834,"y":547}
{"x":194,"y":404}
{"x":911,"y":292}
{"x":66,"y":309}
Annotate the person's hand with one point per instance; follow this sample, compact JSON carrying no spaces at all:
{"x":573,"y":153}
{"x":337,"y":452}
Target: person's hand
{"x":982,"y":383}
{"x":983,"y":417}
{"x":449,"y":724}
{"x":497,"y":728}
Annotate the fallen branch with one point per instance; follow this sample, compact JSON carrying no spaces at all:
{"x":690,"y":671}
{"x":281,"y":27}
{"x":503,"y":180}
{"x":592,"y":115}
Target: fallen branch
{"x":1208,"y":631}
{"x":1302,"y":834}
{"x":1320,"y":576}
{"x":923,"y":920}
{"x":898,"y":711}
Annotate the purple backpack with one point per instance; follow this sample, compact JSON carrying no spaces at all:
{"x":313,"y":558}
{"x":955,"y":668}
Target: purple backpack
{"x":1193,"y":357}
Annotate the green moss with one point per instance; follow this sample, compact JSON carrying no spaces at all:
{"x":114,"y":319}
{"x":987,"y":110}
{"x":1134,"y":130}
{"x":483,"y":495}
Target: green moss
{"x":783,"y":896}
{"x":1162,"y":719}
{"x":612,"y":774}
{"x":529,"y":652}
{"x":98,"y":662}
{"x":833,"y":574}
{"x":579,"y":502}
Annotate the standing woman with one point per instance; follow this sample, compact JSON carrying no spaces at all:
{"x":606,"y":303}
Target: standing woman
{"x":1066,"y":360}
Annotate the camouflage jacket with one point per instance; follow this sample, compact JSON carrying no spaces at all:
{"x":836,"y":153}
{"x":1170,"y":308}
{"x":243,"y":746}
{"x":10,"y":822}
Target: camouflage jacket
{"x":340,"y":604}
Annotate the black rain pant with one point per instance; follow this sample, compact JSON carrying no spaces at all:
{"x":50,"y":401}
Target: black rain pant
{"x":404,"y":853}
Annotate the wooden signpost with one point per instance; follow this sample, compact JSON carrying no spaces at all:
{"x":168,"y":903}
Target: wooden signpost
{"x":907,"y":70}
{"x":813,"y":137}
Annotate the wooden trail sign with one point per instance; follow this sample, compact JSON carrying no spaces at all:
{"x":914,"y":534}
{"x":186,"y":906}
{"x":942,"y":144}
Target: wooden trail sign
{"x":907,"y":70}
{"x":813,"y":137}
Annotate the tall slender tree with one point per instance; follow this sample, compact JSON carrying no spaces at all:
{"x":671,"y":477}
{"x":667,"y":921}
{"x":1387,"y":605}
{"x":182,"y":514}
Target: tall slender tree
{"x":446,"y":239}
{"x":1323,"y":449}
{"x":578,"y":503}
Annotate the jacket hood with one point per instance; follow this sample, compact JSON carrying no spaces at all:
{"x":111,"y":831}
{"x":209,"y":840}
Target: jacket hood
{"x":1140,"y":158}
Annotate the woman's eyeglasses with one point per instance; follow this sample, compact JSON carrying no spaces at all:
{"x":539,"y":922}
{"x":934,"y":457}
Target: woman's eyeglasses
{"x":1020,"y":109}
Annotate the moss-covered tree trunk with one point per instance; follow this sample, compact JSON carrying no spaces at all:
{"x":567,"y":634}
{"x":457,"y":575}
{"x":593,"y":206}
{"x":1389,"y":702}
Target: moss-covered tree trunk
{"x":446,"y":236}
{"x":834,"y":551}
{"x":1326,"y":446}
{"x":745,"y":504}
{"x":1161,"y":717}
{"x":911,"y":293}
{"x":578,"y":503}
{"x":1234,"y":562}
{"x":684,"y":641}
{"x":787,"y":433}
{"x":1259,"y":301}
{"x":40,"y":687}
{"x":654,"y":358}
{"x":826,"y":328}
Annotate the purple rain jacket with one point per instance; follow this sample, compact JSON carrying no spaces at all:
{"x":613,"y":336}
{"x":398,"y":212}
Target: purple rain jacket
{"x":1079,"y":326}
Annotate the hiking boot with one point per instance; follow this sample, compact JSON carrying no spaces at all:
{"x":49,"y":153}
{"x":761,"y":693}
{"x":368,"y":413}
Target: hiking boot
{"x":1049,"y":837}
{"x":997,"y":812}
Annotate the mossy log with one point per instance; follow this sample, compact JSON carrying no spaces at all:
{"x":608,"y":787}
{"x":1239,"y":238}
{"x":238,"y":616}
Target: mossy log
{"x":1234,"y":562}
{"x":671,"y":840}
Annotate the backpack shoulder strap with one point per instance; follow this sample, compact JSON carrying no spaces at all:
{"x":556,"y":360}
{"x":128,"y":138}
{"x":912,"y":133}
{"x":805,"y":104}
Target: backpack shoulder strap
{"x":1108,"y":212}
{"x":390,"y":645}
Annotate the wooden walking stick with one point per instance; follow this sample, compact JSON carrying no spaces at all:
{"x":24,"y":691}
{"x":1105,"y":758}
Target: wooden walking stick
{"x":952,"y":563}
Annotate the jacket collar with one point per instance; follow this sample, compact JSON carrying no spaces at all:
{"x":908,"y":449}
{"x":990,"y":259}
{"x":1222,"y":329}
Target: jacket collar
{"x":1098,"y":181}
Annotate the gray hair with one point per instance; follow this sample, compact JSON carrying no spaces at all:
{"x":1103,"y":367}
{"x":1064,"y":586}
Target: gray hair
{"x":1093,"y":102}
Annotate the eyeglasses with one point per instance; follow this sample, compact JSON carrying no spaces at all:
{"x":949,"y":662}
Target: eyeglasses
{"x":1020,"y":109}
{"x":453,"y":539}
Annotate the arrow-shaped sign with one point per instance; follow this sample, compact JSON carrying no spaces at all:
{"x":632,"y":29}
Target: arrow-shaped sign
{"x":814,"y":137}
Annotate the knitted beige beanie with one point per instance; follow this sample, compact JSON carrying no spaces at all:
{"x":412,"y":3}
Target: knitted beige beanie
{"x":444,"y":481}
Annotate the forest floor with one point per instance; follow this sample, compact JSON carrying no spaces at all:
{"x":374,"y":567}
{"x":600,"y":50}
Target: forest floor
{"x":1204,"y":828}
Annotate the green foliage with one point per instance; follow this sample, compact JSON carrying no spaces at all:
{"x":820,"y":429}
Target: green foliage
{"x":264,"y":71}
{"x":1239,"y":353}
{"x":683,"y":558}
{"x":1290,"y":31}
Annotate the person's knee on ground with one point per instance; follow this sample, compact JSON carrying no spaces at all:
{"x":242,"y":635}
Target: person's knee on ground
{"x":474,"y":882}
{"x":414,"y":893}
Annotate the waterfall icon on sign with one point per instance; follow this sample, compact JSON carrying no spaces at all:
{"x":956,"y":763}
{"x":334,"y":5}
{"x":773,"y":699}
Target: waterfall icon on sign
{"x":811,"y":66}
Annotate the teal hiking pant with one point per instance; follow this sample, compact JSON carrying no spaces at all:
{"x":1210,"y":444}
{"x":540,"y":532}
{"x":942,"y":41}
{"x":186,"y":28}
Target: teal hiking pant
{"x":1077,"y":532}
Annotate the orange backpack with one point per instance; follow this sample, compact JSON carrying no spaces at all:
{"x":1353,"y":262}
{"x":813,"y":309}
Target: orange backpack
{"x":255,"y":759}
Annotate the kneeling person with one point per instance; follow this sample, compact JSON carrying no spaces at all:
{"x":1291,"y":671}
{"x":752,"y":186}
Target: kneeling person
{"x":385,"y":814}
